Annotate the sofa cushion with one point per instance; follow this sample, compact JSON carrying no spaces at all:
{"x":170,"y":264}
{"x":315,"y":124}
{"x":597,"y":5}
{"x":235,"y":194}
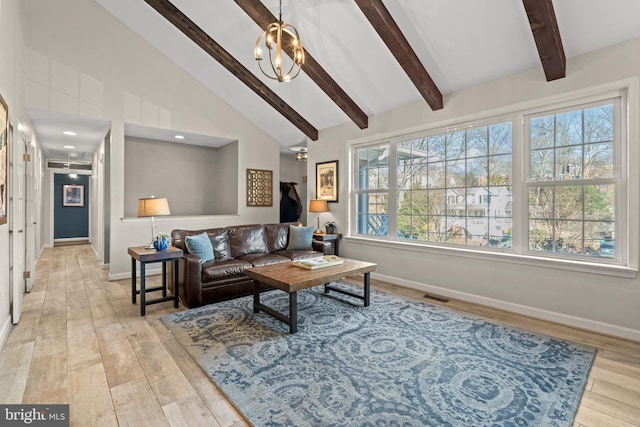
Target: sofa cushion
{"x":220,"y":241}
{"x":200,"y":246}
{"x":299,"y":254}
{"x":247,"y":239}
{"x":223,"y":269}
{"x":300,"y":238}
{"x":258,"y":260}
{"x":277,"y":235}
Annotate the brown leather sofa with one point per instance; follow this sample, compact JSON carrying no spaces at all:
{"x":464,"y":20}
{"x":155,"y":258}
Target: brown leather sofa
{"x":235,"y":248}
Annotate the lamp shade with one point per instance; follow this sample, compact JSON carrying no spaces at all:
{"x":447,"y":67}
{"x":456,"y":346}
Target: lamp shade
{"x":152,"y":206}
{"x":316,"y":205}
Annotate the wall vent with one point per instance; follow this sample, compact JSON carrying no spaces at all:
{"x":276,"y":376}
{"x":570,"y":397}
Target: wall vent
{"x":436,"y":298}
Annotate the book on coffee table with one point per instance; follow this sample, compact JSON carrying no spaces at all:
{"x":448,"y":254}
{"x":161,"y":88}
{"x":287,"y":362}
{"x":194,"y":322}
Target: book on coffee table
{"x":314,"y":263}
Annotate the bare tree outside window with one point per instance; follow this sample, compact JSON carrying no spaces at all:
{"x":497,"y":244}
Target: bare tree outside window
{"x":572,"y":198}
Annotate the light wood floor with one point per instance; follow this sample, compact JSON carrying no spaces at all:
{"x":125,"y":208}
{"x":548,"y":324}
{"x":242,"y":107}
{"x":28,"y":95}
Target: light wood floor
{"x":81,"y":341}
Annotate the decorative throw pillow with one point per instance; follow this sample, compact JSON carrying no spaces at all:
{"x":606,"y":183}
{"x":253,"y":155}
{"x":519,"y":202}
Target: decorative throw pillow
{"x":300,"y":237}
{"x":200,"y":246}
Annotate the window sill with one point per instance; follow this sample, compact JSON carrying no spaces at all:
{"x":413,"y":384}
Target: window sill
{"x":498,"y":256}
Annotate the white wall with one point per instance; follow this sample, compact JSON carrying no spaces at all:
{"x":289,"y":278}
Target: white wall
{"x":604,"y":303}
{"x":12,"y":54}
{"x":83,"y":61}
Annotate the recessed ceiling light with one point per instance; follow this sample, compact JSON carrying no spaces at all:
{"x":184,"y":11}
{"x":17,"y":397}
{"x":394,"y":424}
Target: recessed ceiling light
{"x":179,"y":137}
{"x":71,"y":147}
{"x":70,"y":133}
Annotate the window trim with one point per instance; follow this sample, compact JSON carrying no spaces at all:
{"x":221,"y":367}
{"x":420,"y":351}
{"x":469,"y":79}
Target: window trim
{"x":629,"y":188}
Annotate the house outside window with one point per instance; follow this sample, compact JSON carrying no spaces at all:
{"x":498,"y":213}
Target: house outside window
{"x":457,"y":187}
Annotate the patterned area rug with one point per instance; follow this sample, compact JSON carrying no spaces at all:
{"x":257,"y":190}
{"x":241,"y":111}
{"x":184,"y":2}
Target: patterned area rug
{"x":397,"y":362}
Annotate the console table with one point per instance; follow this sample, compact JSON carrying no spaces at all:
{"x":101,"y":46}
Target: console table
{"x":334,"y":239}
{"x":147,"y":256}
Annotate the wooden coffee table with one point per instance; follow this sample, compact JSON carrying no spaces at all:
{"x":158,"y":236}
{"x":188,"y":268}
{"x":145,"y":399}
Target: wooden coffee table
{"x":292,"y":279}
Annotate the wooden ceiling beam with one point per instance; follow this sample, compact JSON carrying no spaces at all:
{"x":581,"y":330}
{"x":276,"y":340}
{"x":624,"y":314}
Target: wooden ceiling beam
{"x":263,"y":17}
{"x":217,"y":52}
{"x":388,"y":30}
{"x":546,"y":33}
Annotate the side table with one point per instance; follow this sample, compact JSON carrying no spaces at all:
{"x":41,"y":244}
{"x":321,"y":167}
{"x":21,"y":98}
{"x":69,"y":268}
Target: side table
{"x":147,"y":256}
{"x":334,"y":239}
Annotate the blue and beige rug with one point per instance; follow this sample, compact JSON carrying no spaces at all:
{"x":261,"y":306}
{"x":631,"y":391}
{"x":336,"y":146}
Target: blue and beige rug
{"x":395,"y":363}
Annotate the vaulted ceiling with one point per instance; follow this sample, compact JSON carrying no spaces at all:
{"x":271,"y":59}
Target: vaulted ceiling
{"x":366,"y":57}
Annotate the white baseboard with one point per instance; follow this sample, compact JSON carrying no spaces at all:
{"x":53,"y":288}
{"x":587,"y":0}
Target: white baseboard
{"x":72,"y":239}
{"x":4,"y":331}
{"x":551,"y":316}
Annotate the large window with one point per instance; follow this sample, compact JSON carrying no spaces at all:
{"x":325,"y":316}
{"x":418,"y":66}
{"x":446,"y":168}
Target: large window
{"x":458,"y":186}
{"x":572,"y":180}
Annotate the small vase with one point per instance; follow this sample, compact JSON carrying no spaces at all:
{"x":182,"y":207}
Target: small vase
{"x":161,"y":243}
{"x":330,"y":229}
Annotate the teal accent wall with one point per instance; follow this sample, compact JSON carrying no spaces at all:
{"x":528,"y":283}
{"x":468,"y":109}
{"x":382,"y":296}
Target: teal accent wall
{"x":70,"y":222}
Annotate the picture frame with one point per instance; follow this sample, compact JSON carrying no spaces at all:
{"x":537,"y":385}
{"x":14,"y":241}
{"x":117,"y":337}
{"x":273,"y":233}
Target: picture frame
{"x":73,"y":196}
{"x":259,"y":187}
{"x":4,"y":165}
{"x":327,"y":181}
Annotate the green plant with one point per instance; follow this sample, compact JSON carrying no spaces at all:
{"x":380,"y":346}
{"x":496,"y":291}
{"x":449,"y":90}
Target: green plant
{"x":328,"y":223}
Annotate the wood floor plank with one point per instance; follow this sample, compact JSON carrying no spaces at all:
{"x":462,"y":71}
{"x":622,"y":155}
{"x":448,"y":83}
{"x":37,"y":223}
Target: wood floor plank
{"x":47,"y":381}
{"x":631,"y":359}
{"x":587,"y":417}
{"x":136,"y":405}
{"x":90,"y":401}
{"x":611,"y":377}
{"x":617,"y":392}
{"x":166,"y":379}
{"x":14,"y":371}
{"x":611,"y":407}
{"x":119,"y":359}
{"x":189,"y":413}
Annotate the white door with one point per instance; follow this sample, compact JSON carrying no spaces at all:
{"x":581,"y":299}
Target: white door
{"x":18,"y":224}
{"x":30,"y":217}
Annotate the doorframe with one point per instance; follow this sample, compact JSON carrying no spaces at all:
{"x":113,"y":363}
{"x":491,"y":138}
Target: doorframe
{"x":52,"y":173}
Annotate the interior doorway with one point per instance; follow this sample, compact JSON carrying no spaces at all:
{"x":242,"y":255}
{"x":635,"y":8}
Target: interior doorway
{"x":70,"y":208}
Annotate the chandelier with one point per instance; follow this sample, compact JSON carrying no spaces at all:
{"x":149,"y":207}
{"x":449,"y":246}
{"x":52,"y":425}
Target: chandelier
{"x":301,"y":153}
{"x":301,"y":156}
{"x":273,"y":38}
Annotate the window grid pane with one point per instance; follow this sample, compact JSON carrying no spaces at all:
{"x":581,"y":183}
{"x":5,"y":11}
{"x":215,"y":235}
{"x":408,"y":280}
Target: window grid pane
{"x":565,"y":218}
{"x":456,"y":187}
{"x":372,"y":204}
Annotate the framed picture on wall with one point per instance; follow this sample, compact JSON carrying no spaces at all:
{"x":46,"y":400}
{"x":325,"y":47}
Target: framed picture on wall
{"x":73,"y":195}
{"x":4,"y":142}
{"x":327,"y":181}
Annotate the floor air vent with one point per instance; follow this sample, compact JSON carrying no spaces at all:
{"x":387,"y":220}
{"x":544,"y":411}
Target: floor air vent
{"x":435,"y":298}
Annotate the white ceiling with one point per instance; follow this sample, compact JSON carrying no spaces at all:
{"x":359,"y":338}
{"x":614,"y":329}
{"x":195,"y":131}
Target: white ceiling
{"x":461,"y":43}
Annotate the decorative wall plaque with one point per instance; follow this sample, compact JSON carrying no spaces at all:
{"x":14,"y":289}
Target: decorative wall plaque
{"x":259,"y":187}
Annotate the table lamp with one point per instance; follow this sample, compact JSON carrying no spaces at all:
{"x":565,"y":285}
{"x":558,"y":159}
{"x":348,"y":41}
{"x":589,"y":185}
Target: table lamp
{"x":152,"y":207}
{"x":318,"y":206}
